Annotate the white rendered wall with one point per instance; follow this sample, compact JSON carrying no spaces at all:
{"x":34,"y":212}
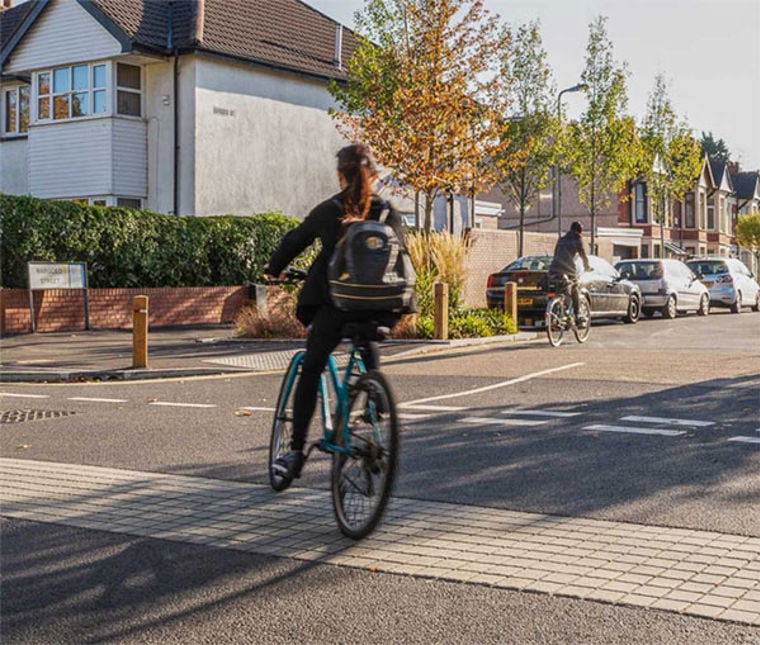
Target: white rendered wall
{"x":14,"y":166}
{"x":49,"y":41}
{"x":264,"y":141}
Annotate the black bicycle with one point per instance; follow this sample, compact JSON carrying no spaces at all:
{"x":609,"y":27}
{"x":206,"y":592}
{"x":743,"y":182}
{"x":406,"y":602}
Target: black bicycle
{"x":560,"y":313}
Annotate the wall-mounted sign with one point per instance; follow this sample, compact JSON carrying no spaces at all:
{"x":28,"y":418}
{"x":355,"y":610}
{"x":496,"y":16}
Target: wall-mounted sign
{"x":58,"y":275}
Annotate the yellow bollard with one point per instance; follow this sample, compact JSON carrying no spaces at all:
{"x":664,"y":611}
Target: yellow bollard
{"x":441,"y":311}
{"x":140,"y":331}
{"x":510,"y":300}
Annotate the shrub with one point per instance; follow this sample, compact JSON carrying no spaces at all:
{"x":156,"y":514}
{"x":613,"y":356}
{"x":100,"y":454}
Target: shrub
{"x":281,"y":321}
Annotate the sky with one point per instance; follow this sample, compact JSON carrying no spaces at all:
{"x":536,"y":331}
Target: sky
{"x":707,"y":50}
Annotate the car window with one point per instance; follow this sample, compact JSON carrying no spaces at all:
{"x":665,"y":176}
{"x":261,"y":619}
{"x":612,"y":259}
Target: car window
{"x":530,"y":263}
{"x":635,"y":270}
{"x":708,"y":267}
{"x":601,"y":266}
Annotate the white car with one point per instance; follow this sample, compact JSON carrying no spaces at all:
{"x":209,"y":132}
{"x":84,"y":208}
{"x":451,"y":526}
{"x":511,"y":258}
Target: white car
{"x":668,"y":286}
{"x":730,"y":282}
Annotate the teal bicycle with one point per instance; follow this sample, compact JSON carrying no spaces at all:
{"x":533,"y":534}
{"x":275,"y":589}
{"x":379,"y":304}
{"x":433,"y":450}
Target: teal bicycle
{"x":360,"y":430}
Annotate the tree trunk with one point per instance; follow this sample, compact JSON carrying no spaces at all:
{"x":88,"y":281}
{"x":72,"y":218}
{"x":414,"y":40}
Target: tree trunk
{"x":428,"y":211}
{"x":522,"y":230}
{"x":417,"y":209}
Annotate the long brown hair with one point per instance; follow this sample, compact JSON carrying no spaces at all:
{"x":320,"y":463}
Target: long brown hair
{"x":358,"y":168}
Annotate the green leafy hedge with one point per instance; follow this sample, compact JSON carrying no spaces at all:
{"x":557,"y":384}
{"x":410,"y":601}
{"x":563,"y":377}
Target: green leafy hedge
{"x":135,"y":248}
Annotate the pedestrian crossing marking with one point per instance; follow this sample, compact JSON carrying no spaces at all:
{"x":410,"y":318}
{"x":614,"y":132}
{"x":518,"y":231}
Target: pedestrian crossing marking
{"x":745,"y":439}
{"x":503,"y":422}
{"x":541,"y":413}
{"x":634,"y":430}
{"x":672,"y":422}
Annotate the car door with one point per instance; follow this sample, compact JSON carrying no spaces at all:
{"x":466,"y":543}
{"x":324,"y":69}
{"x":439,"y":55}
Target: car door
{"x":693,"y":286}
{"x":594,"y":283}
{"x":617,"y":295}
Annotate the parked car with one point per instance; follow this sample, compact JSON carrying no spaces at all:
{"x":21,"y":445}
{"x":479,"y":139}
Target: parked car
{"x":608,"y":294}
{"x":729,"y":282}
{"x":668,"y":286}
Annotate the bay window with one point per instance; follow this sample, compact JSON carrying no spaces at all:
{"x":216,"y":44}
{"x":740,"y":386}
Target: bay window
{"x":16,"y":110}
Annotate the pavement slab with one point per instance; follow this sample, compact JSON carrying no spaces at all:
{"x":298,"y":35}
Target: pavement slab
{"x":416,"y":538}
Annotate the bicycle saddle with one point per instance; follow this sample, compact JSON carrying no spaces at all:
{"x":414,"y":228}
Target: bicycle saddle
{"x":366,"y":331}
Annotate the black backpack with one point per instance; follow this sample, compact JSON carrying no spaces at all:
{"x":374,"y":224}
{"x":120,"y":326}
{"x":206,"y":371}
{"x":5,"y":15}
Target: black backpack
{"x":370,"y":270}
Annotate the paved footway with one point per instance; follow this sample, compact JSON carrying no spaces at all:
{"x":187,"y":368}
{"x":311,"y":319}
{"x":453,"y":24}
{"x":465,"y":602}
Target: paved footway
{"x":696,"y":572}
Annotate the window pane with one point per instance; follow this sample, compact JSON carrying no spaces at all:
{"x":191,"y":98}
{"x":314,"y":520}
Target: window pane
{"x":79,"y":104}
{"x":99,"y":76}
{"x":43,"y":108}
{"x":79,"y":77}
{"x":128,"y":202}
{"x":61,"y":80}
{"x":23,"y":109}
{"x":61,"y":107}
{"x":128,"y":103}
{"x":99,"y":102}
{"x":98,"y":202}
{"x":128,"y":76}
{"x":43,"y":83}
{"x":10,"y":111}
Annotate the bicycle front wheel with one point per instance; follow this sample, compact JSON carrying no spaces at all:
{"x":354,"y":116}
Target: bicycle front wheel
{"x":282,"y":425}
{"x":363,"y":478}
{"x":554,"y":321}
{"x":583,"y":329}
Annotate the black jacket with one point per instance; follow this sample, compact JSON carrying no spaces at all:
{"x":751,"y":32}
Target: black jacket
{"x":568,"y":246}
{"x":324,"y":222}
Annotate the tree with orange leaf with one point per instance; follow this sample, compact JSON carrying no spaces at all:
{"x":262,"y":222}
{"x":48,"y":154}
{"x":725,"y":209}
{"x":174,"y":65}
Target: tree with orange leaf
{"x":423,"y":91}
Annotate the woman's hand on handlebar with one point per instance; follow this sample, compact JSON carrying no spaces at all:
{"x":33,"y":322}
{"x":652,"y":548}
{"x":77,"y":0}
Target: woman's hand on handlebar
{"x":291,"y":275}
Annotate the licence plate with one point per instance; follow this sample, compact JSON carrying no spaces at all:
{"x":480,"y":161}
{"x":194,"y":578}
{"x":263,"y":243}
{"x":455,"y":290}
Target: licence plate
{"x":522,"y":302}
{"x":707,"y":283}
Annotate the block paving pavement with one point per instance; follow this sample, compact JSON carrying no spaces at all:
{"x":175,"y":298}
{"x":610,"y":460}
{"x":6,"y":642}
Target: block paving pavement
{"x":700,"y":573}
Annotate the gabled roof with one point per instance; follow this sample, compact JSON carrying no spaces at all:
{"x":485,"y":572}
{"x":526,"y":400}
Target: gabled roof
{"x":719,"y":171}
{"x":285,"y":34}
{"x":707,"y":172}
{"x":746,"y":183}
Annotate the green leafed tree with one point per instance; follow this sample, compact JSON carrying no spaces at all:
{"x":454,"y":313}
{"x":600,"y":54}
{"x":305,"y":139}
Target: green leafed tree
{"x":671,"y":159}
{"x":531,"y":126}
{"x":602,"y":145}
{"x":714,"y":148}
{"x":748,"y":233}
{"x":422,"y":90}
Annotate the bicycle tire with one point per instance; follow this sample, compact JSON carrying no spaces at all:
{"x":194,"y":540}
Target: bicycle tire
{"x":363,"y":478}
{"x":282,"y":424}
{"x":582,"y":332}
{"x":554,"y":321}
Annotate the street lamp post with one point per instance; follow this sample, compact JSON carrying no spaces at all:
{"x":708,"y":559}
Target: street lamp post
{"x":557,"y":206}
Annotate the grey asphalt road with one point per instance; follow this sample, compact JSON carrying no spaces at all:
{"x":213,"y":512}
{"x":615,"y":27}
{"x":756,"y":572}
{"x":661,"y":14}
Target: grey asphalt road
{"x":112,"y":588}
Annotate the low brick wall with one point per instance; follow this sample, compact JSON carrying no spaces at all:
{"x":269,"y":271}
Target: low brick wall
{"x":63,"y":310}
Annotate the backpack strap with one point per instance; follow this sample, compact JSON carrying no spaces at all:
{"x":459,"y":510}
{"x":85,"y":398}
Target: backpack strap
{"x":385,"y":212}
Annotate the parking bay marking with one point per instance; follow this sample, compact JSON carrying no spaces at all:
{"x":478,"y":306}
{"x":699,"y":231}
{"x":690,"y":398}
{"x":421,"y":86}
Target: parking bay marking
{"x":745,"y":439}
{"x":672,"y":422}
{"x":96,"y":400}
{"x":503,"y":422}
{"x":541,"y":413}
{"x":183,"y":405}
{"x":658,"y":431}
{"x":26,"y":396}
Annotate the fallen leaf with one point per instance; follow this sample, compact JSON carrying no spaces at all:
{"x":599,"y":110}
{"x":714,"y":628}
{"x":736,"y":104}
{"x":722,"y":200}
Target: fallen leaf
{"x":152,"y":399}
{"x":242,"y":413}
{"x":23,"y":446}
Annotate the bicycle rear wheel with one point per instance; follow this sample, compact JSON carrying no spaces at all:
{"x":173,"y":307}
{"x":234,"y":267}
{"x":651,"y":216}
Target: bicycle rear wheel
{"x":554,"y":321}
{"x":282,"y":425}
{"x":363,"y":479}
{"x":583,"y":330}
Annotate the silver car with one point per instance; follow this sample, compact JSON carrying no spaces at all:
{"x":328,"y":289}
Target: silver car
{"x":730,"y":282}
{"x":668,"y":286}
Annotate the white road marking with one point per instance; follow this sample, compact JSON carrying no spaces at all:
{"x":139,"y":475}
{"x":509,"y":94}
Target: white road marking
{"x":96,"y":400}
{"x":433,"y":408}
{"x":406,"y":416}
{"x":503,"y":422}
{"x":495,"y":386}
{"x":183,"y":405}
{"x":257,"y":409}
{"x":26,"y":396}
{"x":672,"y":422}
{"x":541,"y":413}
{"x":746,"y":439}
{"x":659,"y":431}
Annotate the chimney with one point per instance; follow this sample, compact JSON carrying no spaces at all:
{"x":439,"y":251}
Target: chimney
{"x":200,"y":17}
{"x":338,"y":46}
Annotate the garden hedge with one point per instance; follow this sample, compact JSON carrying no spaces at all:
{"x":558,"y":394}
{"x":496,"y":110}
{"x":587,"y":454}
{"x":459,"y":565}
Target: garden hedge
{"x":135,"y":248}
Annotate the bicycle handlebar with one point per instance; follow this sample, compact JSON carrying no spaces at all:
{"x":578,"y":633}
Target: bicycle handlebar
{"x":291,"y":275}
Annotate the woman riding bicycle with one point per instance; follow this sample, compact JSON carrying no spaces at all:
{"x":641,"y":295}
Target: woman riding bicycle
{"x":328,"y":221}
{"x":568,"y":247}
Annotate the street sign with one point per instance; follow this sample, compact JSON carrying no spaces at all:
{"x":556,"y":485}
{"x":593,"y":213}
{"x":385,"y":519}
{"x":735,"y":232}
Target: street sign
{"x":58,"y":275}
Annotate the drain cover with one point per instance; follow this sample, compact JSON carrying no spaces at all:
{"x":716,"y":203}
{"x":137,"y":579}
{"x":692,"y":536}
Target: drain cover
{"x":19,"y":416}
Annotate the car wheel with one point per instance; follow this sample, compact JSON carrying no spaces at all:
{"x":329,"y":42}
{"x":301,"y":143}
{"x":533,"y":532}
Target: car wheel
{"x":670,"y":310}
{"x":704,"y":306}
{"x":634,"y":310}
{"x":736,"y":308}
{"x":756,"y":307}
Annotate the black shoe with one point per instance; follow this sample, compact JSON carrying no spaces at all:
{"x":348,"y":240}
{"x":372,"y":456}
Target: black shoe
{"x":580,"y":321}
{"x":289,"y":465}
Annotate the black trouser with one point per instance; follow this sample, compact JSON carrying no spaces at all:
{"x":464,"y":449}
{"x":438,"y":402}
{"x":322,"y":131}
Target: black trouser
{"x":573,"y":287}
{"x":324,"y":337}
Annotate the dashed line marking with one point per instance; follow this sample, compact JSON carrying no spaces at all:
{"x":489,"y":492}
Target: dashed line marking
{"x":183,"y":405}
{"x":406,"y":416}
{"x":658,"y":431}
{"x":254,"y":408}
{"x":96,"y":400}
{"x":503,"y":422}
{"x":745,"y":439}
{"x":672,"y":422}
{"x":541,"y":413}
{"x":433,"y":408}
{"x":25,"y":396}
